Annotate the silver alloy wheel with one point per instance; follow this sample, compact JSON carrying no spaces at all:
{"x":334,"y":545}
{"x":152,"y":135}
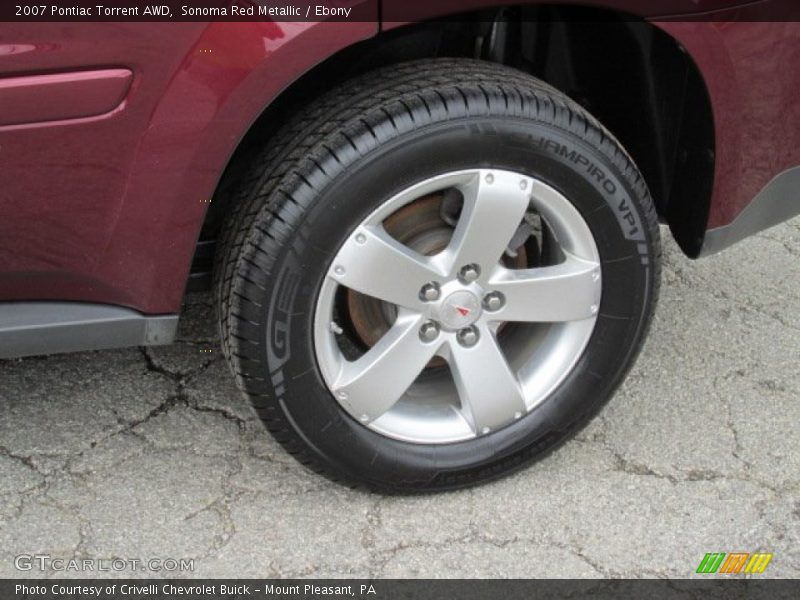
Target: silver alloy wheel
{"x":451,"y":305}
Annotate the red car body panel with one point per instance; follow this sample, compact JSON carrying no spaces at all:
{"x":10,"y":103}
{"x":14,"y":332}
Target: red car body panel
{"x":108,"y":209}
{"x":750,"y":71}
{"x":106,"y":206}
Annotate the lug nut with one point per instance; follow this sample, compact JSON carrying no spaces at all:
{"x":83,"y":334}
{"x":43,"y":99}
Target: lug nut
{"x":430,"y":292}
{"x":429,"y":331}
{"x":494,"y":301}
{"x":469,"y":273}
{"x":467,"y":337}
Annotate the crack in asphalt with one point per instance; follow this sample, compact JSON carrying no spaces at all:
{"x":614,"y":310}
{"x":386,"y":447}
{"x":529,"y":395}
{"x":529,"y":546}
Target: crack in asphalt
{"x":181,"y":378}
{"x":25,"y":460}
{"x":381,"y":559}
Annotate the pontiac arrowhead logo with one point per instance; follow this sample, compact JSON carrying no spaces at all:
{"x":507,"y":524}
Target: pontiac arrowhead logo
{"x":459,"y":310}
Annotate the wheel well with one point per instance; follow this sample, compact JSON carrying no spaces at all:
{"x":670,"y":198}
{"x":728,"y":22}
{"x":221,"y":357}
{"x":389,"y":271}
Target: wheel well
{"x":633,"y":77}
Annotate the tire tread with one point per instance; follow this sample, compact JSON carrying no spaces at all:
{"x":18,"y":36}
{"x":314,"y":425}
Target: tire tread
{"x":313,"y":147}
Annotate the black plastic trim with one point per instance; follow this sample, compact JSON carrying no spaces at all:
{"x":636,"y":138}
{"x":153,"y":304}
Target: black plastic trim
{"x":33,"y":328}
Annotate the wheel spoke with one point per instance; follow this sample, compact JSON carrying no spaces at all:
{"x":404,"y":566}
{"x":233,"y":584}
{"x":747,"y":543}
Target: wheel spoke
{"x":494,"y":206}
{"x":566,"y":292}
{"x":371,"y":385}
{"x":375,"y":264}
{"x":489,"y":391}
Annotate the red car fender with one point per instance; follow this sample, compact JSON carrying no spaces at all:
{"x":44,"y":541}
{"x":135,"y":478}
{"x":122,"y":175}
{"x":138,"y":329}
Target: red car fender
{"x":108,"y":208}
{"x":227,"y":81}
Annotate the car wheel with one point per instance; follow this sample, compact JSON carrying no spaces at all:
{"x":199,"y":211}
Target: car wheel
{"x":444,"y":272}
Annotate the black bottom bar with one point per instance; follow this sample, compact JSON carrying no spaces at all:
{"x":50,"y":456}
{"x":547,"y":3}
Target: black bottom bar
{"x":389,"y":589}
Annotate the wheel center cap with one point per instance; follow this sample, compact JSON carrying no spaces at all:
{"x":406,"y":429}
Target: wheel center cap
{"x":459,"y":310}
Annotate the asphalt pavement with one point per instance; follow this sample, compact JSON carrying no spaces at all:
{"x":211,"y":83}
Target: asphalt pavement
{"x":153,"y":454}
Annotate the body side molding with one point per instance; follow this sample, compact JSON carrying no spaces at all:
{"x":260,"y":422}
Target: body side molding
{"x":62,"y":96}
{"x":31,"y":328}
{"x":778,"y":202}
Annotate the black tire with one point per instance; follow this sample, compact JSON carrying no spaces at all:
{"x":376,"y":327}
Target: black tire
{"x":340,"y":159}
